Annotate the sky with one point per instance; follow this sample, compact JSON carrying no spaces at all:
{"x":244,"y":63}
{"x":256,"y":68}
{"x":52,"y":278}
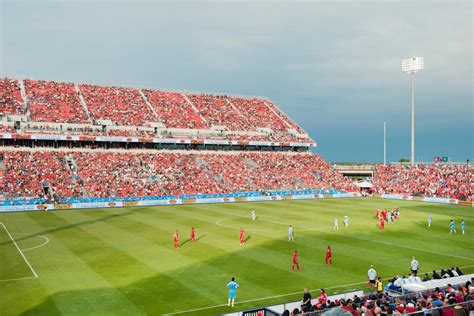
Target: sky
{"x":333,"y":66}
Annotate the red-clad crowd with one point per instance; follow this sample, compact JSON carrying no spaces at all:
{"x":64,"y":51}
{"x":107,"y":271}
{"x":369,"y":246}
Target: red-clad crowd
{"x":57,"y":102}
{"x":217,"y":110}
{"x":26,"y":172}
{"x":11,"y":101}
{"x":259,"y":114}
{"x":450,"y":301}
{"x":440,"y":180}
{"x":123,"y":106}
{"x":173,"y":110}
{"x":119,"y":174}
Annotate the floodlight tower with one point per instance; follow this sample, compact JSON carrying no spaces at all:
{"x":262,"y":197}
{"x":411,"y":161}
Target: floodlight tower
{"x":411,"y":66}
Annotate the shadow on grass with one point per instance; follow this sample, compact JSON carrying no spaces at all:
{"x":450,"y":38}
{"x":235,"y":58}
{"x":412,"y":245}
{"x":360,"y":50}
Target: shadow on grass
{"x":54,"y":230}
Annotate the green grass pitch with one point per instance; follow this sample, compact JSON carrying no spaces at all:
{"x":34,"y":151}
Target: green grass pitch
{"x":122,"y":261}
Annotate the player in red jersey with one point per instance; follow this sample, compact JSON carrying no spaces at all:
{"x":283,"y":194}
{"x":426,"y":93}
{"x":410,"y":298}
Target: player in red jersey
{"x":295,"y":261}
{"x":175,"y":239}
{"x":382,"y":223}
{"x":377,"y":213}
{"x":329,"y":256}
{"x":193,"y":234}
{"x":242,"y":236}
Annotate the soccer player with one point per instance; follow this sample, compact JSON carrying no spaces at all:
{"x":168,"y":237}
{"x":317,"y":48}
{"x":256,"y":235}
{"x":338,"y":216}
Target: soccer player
{"x":175,"y":239}
{"x":463,"y":225}
{"x":232,"y":286}
{"x":453,"y":228}
{"x":389,"y":217}
{"x":193,"y":234}
{"x":329,"y":256}
{"x":242,"y":236}
{"x":295,"y":261}
{"x":346,"y":221}
{"x":290,"y":233}
{"x":414,"y":265}
{"x":336,"y":225}
{"x":254,"y":215}
{"x":382,"y":223}
{"x":45,"y":206}
{"x":430,"y":219}
{"x":377,"y":214}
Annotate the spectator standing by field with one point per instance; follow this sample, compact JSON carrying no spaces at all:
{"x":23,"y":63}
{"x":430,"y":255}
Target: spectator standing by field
{"x":414,"y":265}
{"x":372,"y":275}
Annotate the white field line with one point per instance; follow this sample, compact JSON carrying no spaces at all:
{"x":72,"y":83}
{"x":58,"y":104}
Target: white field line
{"x":19,"y":250}
{"x":384,"y":242}
{"x":43,"y":244}
{"x":18,"y":279}
{"x":277,"y":296}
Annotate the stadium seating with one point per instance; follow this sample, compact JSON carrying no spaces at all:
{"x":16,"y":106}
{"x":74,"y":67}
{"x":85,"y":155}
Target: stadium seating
{"x":451,"y":181}
{"x":54,"y":102}
{"x":173,"y":110}
{"x":120,"y":174}
{"x":26,"y":172}
{"x":450,"y":300}
{"x":123,"y":106}
{"x":218,"y":111}
{"x":259,"y":114}
{"x":58,"y":102}
{"x":11,"y":101}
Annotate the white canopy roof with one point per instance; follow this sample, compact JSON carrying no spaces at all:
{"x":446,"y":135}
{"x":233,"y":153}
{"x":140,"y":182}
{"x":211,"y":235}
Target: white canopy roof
{"x":364,"y":184}
{"x":432,"y":284}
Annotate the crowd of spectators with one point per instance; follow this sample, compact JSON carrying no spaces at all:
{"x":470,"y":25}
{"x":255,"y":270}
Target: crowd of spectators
{"x":218,"y":111}
{"x":119,"y":174}
{"x":259,"y":114}
{"x":448,"y":301}
{"x":29,"y":174}
{"x":50,"y":101}
{"x":173,"y":110}
{"x":440,"y":180}
{"x":123,"y":106}
{"x":59,"y":102}
{"x":11,"y":101}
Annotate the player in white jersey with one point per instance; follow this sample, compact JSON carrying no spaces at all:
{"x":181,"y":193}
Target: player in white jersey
{"x":389,"y":217}
{"x":290,"y":233}
{"x":336,"y":224}
{"x":430,"y":219}
{"x":254,"y":215}
{"x":346,"y":221}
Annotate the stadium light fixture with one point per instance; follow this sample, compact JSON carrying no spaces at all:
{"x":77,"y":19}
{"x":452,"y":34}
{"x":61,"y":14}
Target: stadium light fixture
{"x":411,"y":66}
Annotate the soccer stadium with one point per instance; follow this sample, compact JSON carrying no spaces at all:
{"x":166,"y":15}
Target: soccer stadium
{"x":121,"y":196}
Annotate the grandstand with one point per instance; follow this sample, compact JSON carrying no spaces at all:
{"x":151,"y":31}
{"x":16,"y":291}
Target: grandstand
{"x":87,"y":141}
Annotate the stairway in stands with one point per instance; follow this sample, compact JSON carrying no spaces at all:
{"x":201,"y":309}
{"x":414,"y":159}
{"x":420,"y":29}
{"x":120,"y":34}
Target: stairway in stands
{"x":256,"y":167}
{"x":83,"y":102}
{"x":153,"y":175}
{"x":71,"y":165}
{"x":219,"y":180}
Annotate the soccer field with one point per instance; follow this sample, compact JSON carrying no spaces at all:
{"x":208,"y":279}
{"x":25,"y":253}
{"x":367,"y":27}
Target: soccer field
{"x":122,"y":261}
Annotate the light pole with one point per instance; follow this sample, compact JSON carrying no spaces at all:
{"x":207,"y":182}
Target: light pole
{"x":384,"y":143}
{"x":411,"y":66}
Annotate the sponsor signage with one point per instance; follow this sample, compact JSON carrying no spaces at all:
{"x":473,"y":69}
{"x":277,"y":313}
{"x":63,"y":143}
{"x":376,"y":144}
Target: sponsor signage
{"x":397,"y":197}
{"x":440,"y":200}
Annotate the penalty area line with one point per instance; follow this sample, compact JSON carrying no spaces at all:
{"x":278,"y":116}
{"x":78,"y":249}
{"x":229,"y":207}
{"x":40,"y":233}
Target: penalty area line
{"x":19,"y":250}
{"x":280,"y":295}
